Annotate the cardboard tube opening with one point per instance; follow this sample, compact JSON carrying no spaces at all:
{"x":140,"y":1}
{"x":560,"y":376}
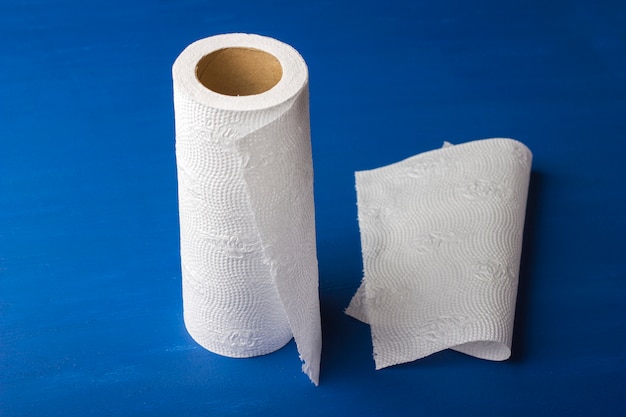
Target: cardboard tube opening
{"x":239,"y":71}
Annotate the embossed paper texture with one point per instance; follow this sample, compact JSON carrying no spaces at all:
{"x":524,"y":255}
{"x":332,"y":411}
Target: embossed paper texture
{"x":249,"y":265}
{"x":441,"y":237}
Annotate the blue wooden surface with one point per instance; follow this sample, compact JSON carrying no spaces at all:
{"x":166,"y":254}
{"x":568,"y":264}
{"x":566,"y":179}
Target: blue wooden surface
{"x":90,"y":301}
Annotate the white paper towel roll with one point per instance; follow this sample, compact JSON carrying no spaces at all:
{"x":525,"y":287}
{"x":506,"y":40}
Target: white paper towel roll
{"x":245,"y":176}
{"x":441,"y":235}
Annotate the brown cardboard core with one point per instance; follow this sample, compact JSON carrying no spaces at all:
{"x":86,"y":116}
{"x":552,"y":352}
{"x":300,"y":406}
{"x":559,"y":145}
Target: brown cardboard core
{"x":239,"y":71}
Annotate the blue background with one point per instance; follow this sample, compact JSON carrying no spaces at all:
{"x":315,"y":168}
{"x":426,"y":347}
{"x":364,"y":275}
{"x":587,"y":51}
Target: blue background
{"x":90,"y":299}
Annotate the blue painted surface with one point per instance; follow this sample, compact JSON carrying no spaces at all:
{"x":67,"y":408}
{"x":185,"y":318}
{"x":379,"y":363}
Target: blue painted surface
{"x":90,"y":301}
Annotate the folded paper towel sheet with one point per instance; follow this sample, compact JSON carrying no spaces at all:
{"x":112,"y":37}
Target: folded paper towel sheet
{"x":243,"y":152}
{"x":441,"y":236}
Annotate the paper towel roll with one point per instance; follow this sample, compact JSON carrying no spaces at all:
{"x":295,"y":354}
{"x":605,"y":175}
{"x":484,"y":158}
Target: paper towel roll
{"x":245,"y":177}
{"x":441,"y":235}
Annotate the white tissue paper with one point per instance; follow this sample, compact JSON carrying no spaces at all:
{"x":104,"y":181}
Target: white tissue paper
{"x":243,"y":152}
{"x":441,"y":236}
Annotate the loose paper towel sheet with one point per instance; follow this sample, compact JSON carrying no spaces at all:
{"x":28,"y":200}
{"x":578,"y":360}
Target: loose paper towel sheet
{"x":249,"y":265}
{"x":441,"y":236}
